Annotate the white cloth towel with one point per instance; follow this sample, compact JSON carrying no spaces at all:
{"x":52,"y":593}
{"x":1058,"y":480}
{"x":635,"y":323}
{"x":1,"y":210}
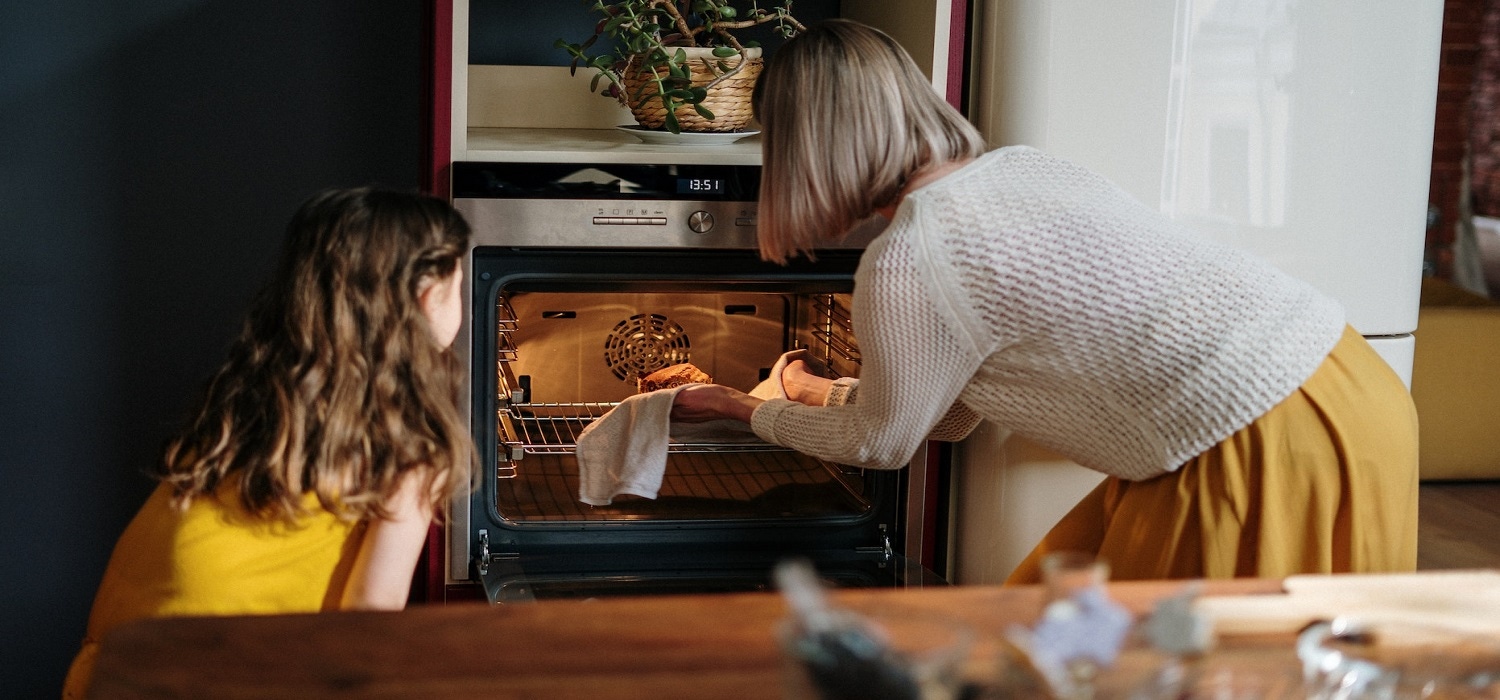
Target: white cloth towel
{"x":624,"y":452}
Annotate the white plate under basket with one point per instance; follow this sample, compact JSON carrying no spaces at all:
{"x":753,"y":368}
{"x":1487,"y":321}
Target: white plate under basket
{"x":701,"y":138}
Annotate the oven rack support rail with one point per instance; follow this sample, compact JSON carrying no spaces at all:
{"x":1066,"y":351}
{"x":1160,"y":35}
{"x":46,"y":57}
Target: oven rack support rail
{"x":836,"y":331}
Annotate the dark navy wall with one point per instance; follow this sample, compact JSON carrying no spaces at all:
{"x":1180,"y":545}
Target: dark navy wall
{"x":150,"y":154}
{"x":522,"y":32}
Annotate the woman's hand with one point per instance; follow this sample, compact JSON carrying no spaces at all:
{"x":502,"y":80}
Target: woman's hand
{"x":706,"y":402}
{"x":803,"y":386}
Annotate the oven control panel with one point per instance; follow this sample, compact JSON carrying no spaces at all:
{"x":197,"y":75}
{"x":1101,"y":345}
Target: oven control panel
{"x":699,"y":221}
{"x":608,"y":204}
{"x":612,"y":205}
{"x":614,"y":224}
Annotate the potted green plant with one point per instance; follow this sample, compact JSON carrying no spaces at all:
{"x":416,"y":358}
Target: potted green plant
{"x":678,"y":64}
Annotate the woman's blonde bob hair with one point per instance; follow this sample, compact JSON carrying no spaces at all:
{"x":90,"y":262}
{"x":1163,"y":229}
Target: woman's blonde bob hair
{"x":846,"y":118}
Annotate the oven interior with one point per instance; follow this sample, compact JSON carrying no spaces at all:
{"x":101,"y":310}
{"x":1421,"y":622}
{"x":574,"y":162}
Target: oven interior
{"x":571,"y":356}
{"x":569,"y":333}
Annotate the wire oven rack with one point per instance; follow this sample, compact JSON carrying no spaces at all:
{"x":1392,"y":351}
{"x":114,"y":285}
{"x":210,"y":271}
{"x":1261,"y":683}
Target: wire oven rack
{"x":553,"y":428}
{"x":708,"y":479}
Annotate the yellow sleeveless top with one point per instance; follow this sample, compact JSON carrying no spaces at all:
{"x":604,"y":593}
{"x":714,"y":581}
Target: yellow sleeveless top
{"x":213,"y":559}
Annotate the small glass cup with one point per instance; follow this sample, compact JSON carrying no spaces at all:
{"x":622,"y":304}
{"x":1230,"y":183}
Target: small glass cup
{"x":894,"y":655}
{"x":1350,"y":659}
{"x":1207,"y":679}
{"x":1065,"y":574}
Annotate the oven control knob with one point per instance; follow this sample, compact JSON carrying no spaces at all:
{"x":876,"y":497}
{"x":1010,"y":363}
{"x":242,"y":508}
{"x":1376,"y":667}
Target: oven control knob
{"x":701,"y":221}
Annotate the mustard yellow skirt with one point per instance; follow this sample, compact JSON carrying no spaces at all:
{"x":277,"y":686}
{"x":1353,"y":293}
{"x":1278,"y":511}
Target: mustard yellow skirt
{"x":1325,"y":482}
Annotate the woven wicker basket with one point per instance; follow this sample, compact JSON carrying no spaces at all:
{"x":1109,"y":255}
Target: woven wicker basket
{"x":729,"y":100}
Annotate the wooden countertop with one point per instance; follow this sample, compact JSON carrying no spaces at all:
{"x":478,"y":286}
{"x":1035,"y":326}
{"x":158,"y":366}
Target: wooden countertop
{"x":692,"y":646}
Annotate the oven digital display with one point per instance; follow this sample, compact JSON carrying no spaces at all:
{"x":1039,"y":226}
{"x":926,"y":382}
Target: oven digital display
{"x":700,"y":185}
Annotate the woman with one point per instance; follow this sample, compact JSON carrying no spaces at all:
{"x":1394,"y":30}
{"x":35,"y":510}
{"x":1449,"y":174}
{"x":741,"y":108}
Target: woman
{"x":1245,"y":429}
{"x":308,"y":476}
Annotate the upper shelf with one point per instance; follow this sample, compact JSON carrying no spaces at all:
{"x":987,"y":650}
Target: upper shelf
{"x":575,"y":145}
{"x":546,"y":114}
{"x":541,"y":114}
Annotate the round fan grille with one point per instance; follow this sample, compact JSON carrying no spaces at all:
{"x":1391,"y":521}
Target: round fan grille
{"x":644,"y":343}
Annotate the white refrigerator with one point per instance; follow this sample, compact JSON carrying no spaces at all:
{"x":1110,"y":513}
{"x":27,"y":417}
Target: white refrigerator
{"x":1300,"y":130}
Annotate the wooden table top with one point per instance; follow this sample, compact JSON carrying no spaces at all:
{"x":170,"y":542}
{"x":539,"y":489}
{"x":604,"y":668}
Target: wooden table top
{"x":690,"y":646}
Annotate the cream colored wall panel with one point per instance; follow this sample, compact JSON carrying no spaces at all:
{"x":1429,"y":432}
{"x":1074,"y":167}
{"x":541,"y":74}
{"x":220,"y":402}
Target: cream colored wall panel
{"x":458,"y":136}
{"x":1300,"y":131}
{"x":1011,"y":492}
{"x":539,"y":97}
{"x":922,"y":28}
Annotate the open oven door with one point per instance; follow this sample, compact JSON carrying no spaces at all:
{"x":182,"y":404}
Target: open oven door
{"x":506,"y":579}
{"x":549,"y":362}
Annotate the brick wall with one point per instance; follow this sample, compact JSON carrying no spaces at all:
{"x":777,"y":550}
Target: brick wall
{"x":1470,"y":29}
{"x":1484,"y":115}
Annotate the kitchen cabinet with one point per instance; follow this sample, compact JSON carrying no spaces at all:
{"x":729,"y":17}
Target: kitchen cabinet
{"x":521,"y":113}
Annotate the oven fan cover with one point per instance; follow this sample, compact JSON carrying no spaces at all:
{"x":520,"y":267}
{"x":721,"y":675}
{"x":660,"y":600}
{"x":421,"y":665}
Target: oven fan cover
{"x":644,"y":343}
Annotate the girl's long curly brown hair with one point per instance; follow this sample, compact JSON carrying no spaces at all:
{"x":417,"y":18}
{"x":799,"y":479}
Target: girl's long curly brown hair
{"x":335,"y":385}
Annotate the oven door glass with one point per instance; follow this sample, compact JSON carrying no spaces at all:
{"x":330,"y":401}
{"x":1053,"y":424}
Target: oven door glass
{"x":561,"y":337}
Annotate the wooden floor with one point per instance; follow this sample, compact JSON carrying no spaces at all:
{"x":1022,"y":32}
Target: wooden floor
{"x":1459,"y":525}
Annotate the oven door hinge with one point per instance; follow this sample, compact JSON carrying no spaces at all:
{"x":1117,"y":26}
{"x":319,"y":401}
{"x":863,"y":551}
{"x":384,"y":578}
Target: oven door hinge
{"x":500,"y":573}
{"x":883,"y":550}
{"x":484,"y":559}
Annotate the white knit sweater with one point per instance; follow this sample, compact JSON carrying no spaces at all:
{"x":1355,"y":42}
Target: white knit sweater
{"x":1024,"y":289}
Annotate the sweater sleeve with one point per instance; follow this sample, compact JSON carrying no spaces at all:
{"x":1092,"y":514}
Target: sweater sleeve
{"x":914,"y":366}
{"x":960,"y":421}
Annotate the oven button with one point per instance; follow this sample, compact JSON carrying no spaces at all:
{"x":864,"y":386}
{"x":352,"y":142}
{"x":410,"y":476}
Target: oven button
{"x":701,"y":222}
{"x":630,"y":221}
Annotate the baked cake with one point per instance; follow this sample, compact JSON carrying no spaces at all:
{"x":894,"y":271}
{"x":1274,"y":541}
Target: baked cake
{"x":675,"y":375}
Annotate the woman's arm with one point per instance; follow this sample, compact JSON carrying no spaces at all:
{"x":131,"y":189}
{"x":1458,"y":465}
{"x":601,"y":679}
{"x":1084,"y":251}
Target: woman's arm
{"x":808,"y":388}
{"x":697,"y":404}
{"x":383,"y":568}
{"x":706,"y":402}
{"x":914,"y":364}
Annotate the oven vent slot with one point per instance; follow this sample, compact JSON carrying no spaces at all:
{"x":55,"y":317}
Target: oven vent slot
{"x":553,"y":428}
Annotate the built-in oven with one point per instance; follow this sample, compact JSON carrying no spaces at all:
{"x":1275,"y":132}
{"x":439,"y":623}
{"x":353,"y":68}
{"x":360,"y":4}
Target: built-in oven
{"x":582,"y":278}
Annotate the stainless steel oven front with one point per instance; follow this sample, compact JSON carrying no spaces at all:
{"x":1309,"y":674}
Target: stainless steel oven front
{"x":581,"y":278}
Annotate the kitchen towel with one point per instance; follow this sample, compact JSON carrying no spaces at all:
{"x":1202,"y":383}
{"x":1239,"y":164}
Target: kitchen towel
{"x":624,"y":452}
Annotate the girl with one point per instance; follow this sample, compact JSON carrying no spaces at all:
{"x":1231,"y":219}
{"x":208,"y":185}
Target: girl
{"x":308,"y":476}
{"x":1245,"y":429}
